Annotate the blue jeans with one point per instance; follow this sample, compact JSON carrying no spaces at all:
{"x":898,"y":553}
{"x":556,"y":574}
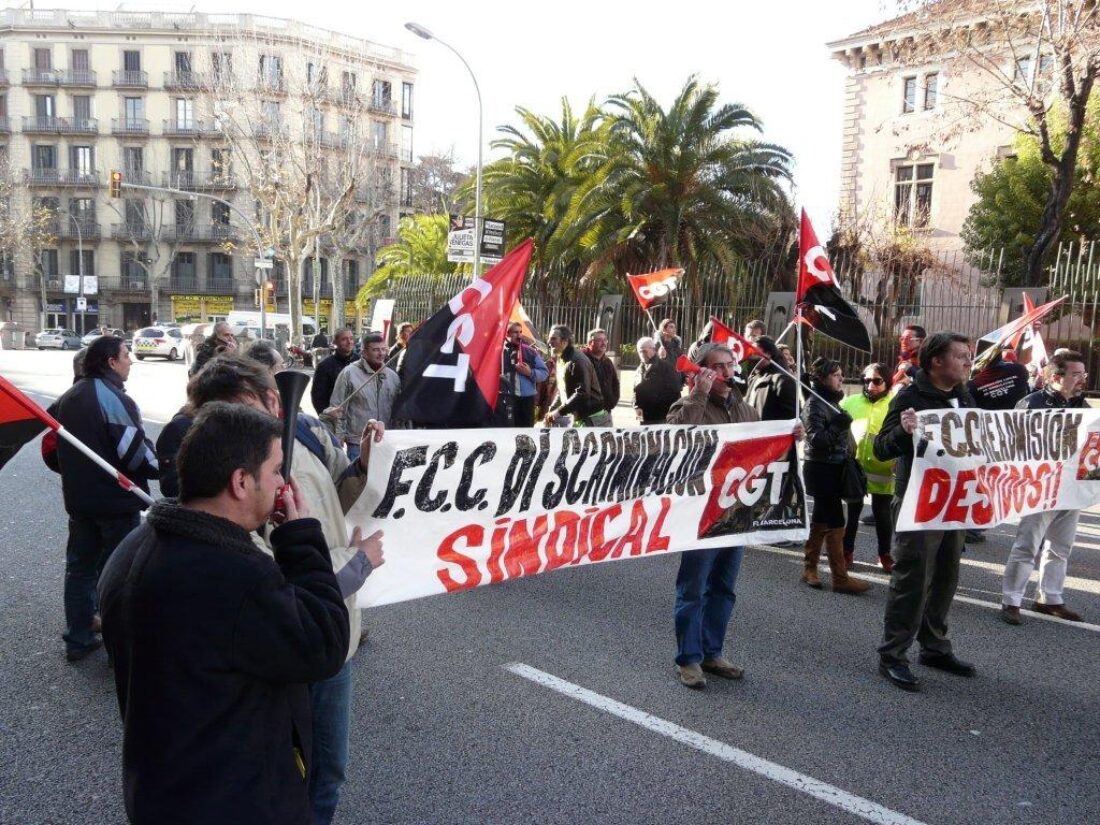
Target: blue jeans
{"x":331,"y":704}
{"x":92,"y":539}
{"x":353,"y":452}
{"x":704,"y":601}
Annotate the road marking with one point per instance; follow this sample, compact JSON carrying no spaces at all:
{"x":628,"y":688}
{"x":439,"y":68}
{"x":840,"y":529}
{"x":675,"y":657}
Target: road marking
{"x":864,"y":808}
{"x":880,"y":579}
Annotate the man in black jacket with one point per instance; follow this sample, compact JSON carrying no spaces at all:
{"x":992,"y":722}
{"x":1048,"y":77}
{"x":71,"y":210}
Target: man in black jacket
{"x":606,"y":372}
{"x":214,"y":643}
{"x":656,"y":384}
{"x":773,"y":394}
{"x":578,"y":387}
{"x":97,"y":410}
{"x":1001,"y":384}
{"x":324,"y":377}
{"x":926,"y":562}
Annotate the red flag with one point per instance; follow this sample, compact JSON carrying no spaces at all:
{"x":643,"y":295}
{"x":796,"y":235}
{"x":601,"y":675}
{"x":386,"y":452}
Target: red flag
{"x":1010,"y":333}
{"x":462,"y":340}
{"x":686,"y":365}
{"x":823,"y":304}
{"x":21,"y":420}
{"x":654,"y":288}
{"x":741,"y":347}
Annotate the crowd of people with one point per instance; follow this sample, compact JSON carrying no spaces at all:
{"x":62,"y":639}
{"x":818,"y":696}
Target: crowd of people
{"x":267,"y":630}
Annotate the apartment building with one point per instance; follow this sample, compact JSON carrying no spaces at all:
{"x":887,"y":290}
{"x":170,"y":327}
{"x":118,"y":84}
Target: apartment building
{"x":84,"y":93}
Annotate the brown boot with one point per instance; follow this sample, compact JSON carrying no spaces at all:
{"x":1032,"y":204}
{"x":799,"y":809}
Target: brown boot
{"x":812,"y":552}
{"x":834,"y":549}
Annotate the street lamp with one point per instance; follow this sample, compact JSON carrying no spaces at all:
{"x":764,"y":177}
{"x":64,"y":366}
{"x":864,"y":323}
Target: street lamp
{"x":79,"y":264}
{"x":422,"y":32}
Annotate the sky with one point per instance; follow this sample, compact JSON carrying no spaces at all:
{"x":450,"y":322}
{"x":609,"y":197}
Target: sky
{"x":769,"y":56}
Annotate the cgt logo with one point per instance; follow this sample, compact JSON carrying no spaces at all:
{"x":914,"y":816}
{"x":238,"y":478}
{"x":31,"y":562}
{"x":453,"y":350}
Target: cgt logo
{"x":658,"y":289}
{"x":748,"y":479}
{"x":1088,"y":468}
{"x":461,"y":330}
{"x":817,"y":264}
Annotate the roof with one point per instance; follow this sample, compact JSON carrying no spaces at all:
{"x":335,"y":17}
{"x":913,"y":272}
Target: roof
{"x":926,"y":13}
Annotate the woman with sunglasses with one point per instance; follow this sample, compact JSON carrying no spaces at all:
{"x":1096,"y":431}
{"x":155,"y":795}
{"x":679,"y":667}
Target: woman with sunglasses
{"x":827,"y":450}
{"x":868,"y":411}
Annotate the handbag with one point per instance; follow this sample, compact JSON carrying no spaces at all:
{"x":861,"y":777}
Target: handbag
{"x":853,"y":480}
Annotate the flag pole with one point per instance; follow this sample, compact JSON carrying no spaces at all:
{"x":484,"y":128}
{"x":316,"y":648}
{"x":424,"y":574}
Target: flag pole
{"x":649,"y":315}
{"x":798,"y":361}
{"x":123,"y":482}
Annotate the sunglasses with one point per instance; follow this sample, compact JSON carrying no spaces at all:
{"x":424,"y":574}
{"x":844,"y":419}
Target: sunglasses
{"x":875,"y":381}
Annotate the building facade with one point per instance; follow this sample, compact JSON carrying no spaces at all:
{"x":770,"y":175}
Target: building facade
{"x":85,"y":93}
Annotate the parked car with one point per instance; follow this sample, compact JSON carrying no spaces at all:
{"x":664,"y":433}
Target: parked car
{"x":57,"y":339}
{"x":160,"y":342}
{"x":193,"y":335}
{"x":95,"y":333}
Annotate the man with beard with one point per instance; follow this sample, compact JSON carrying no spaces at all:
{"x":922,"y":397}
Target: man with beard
{"x":522,"y":369}
{"x":606,"y":373}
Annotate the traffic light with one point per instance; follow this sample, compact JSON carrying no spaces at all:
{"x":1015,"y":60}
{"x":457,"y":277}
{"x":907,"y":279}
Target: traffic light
{"x":116,"y":184}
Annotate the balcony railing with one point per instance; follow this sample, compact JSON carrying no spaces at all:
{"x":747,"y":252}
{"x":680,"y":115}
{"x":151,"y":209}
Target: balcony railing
{"x":221,"y":285}
{"x":77,"y":125}
{"x":131,"y":232}
{"x":183,"y":80}
{"x":3,"y":77}
{"x":60,"y":177}
{"x":183,"y":283}
{"x":39,"y":77}
{"x":130,"y":80}
{"x":186,"y":128}
{"x":384,"y":106}
{"x":198,"y":180}
{"x":307,"y":289}
{"x":83,"y":78}
{"x":5,"y":126}
{"x":88,"y":230}
{"x":265,"y":84}
{"x":130,"y":126}
{"x":54,"y":282}
{"x":138,"y":176}
{"x":125,"y":283}
{"x":40,"y":125}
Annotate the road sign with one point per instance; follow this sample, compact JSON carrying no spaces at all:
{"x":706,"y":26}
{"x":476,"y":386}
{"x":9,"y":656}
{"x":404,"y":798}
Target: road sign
{"x":460,"y":240}
{"x":460,"y":246}
{"x":81,"y":304}
{"x":263,"y":263}
{"x":492,"y":240}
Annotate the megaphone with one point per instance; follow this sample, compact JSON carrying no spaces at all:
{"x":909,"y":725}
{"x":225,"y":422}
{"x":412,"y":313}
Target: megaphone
{"x":686,"y":365}
{"x":292,"y":386}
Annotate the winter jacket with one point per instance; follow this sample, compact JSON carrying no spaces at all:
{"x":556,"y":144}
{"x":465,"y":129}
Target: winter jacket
{"x":168,"y":445}
{"x":867,"y":417}
{"x":697,"y":408}
{"x":213,"y":645}
{"x":827,"y":431}
{"x":97,"y":410}
{"x":893,"y":442}
{"x":773,"y":394}
{"x":673,"y":348}
{"x":1000,"y":386}
{"x":324,"y":379}
{"x":656,"y":388}
{"x":578,"y":387}
{"x":516,"y":383}
{"x":608,"y":377}
{"x":1049,"y":399}
{"x":374,"y":399}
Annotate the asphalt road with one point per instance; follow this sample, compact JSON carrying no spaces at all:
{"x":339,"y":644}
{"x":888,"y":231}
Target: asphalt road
{"x":588,"y":724}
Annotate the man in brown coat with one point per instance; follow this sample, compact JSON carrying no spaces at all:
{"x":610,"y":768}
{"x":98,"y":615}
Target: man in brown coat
{"x":705,"y":584}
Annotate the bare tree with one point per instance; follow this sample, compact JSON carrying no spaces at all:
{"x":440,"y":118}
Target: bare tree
{"x":29,"y":228}
{"x":1036,"y":58}
{"x":435,"y":184}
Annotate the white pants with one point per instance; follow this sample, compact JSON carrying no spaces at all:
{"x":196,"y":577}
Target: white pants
{"x":1049,"y":537}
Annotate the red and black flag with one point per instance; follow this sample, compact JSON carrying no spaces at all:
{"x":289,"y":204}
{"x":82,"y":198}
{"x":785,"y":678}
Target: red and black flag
{"x":450,"y":374}
{"x":21,"y":420}
{"x":655,"y":288}
{"x":823,"y":305}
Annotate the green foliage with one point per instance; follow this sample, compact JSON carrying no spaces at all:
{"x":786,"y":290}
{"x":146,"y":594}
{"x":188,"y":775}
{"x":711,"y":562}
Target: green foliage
{"x":421,"y":249}
{"x":1011,"y":197}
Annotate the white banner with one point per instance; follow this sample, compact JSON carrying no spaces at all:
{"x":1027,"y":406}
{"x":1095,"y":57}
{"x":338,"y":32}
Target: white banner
{"x":465,"y":508}
{"x":977,"y":468}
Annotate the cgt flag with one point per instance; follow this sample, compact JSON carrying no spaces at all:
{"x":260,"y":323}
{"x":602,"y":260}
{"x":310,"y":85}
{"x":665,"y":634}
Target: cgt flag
{"x":654,"y":288}
{"x":823,"y":305}
{"x":741,"y":347}
{"x":20,"y":421}
{"x":462,"y":341}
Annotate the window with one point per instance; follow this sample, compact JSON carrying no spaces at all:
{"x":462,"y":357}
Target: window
{"x":82,"y":110}
{"x":219,"y":162}
{"x":47,"y":260}
{"x":185,"y":214}
{"x":407,"y":144}
{"x":133,"y":273}
{"x":43,"y":157}
{"x":45,"y":106}
{"x":271,"y":113}
{"x":183,"y":268}
{"x":43,"y":60}
{"x":221,"y":267}
{"x":931,"y":90}
{"x":75,"y":262}
{"x":134,"y":110}
{"x":378,"y":134}
{"x":133,"y":161}
{"x":80,"y":62}
{"x":348,"y":82}
{"x":3,"y":106}
{"x":316,"y":76}
{"x":909,"y":95}
{"x":131,"y":61}
{"x":83,"y":209}
{"x":271,"y":71}
{"x":1023,"y":71}
{"x":913,"y":194}
{"x":406,"y":188}
{"x":182,"y":62}
{"x":382,"y":93}
{"x":82,"y":159}
{"x":407,"y":101}
{"x":219,"y":213}
{"x":134,"y":212}
{"x":317,"y":118}
{"x":185,"y":113}
{"x":351,"y":276}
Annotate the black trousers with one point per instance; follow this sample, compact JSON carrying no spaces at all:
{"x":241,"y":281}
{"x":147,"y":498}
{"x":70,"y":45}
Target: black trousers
{"x":523,"y":411}
{"x":92,"y":539}
{"x":922,"y":586}
{"x":884,"y":523}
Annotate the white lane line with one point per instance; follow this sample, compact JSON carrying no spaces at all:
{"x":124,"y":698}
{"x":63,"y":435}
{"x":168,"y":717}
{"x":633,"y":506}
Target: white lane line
{"x":881,"y":579}
{"x":864,"y":808}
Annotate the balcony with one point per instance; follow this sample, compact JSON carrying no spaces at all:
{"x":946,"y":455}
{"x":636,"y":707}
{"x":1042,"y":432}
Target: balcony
{"x":195,"y":181}
{"x":131,"y":284}
{"x":267,"y":131}
{"x":40,"y":125}
{"x":328,"y":140}
{"x":130,"y":127}
{"x":266,"y":85}
{"x":7,"y":279}
{"x":77,"y":78}
{"x":130,"y":80}
{"x":138,"y":176}
{"x":39,"y":77}
{"x":388,"y":150}
{"x":81,"y":229}
{"x":78,"y":125}
{"x":220,"y":285}
{"x":187,"y":128}
{"x":307,"y":289}
{"x":3,"y":77}
{"x":382,"y":106}
{"x":61,"y":177}
{"x":183,"y":81}
{"x":54,"y":282}
{"x":131,"y":232}
{"x":182,"y":283}
{"x":5,"y":126}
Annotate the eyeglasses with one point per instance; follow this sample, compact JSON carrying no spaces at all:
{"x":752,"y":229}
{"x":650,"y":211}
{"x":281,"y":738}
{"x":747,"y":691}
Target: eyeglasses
{"x":875,"y":381}
{"x":724,"y":366}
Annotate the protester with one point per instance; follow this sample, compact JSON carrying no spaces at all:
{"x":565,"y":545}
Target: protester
{"x":97,"y":410}
{"x":868,"y":410}
{"x":320,"y":340}
{"x":522,"y":369}
{"x":324,"y":377}
{"x":1035,"y":378}
{"x":400,"y":345}
{"x":1001,"y":384}
{"x":669,"y":345}
{"x":547,"y":391}
{"x":578,"y":393}
{"x":220,"y":340}
{"x":771,"y":392}
{"x":909,"y":344}
{"x":706,"y":581}
{"x":656,"y":384}
{"x":789,"y":360}
{"x":264,"y":352}
{"x":364,"y":390}
{"x":755,"y":330}
{"x":827,"y":451}
{"x":1049,"y":535}
{"x":606,"y":372}
{"x":926,"y":562}
{"x":214,"y":643}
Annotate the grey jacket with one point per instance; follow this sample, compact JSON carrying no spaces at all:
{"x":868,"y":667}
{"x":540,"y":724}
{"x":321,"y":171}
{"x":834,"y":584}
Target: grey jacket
{"x":372,"y":395}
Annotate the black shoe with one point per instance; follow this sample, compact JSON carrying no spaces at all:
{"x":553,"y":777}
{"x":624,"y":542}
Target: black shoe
{"x":974,"y":537}
{"x":900,"y":675}
{"x":75,"y":654}
{"x":949,"y":663}
{"x":868,"y":520}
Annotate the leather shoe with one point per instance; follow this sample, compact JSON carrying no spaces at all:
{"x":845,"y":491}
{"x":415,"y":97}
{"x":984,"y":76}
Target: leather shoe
{"x":76,"y":654}
{"x":948,"y":663}
{"x":1010,"y":614}
{"x":900,"y":675}
{"x":1059,"y":610}
{"x":691,"y":676}
{"x":721,"y":666}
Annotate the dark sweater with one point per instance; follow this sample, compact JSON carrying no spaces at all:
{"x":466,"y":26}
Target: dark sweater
{"x":168,"y":445}
{"x":608,"y":377}
{"x":1000,"y":386}
{"x":324,"y":379}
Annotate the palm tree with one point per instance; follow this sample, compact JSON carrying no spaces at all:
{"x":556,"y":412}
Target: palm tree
{"x":679,"y":188}
{"x":421,"y":249}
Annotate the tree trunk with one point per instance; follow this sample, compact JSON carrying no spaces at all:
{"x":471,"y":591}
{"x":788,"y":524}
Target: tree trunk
{"x":294,"y":298}
{"x":337,"y":320}
{"x":1050,"y":225}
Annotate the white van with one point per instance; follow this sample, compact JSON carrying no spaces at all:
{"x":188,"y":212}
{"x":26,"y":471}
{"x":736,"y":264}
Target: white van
{"x":250,"y":321}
